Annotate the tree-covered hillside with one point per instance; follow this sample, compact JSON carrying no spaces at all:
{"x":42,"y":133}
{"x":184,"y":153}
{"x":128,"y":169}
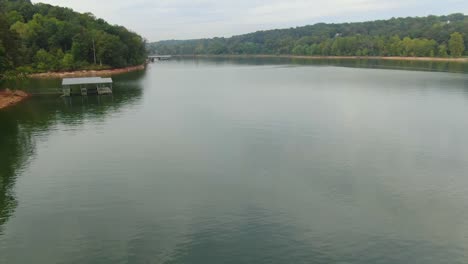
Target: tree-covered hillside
{"x":431,"y":36}
{"x":41,"y":37}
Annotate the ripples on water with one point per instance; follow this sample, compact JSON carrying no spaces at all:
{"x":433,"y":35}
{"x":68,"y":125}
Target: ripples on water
{"x":218,"y":161}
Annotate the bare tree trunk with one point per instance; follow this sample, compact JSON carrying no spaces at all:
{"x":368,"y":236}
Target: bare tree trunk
{"x":94,"y":50}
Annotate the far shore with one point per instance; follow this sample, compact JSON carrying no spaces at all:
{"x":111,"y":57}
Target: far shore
{"x":85,"y":73}
{"x":10,"y":98}
{"x":436,"y":59}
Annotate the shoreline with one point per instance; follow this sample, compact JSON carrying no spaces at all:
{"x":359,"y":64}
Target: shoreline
{"x":85,"y":73}
{"x":10,"y":98}
{"x":428,"y":59}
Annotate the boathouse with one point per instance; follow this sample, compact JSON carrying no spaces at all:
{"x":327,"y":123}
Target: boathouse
{"x":87,"y":85}
{"x":151,"y":58}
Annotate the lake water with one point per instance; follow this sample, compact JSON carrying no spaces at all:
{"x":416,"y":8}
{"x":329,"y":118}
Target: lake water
{"x":240,"y":161}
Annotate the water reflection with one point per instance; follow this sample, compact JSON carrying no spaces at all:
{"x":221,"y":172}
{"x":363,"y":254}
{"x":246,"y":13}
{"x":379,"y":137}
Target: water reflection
{"x":440,"y":66}
{"x":244,"y":164}
{"x":237,"y":244}
{"x":13,"y":153}
{"x":23,"y":124}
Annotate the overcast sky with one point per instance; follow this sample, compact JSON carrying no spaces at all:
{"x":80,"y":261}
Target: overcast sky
{"x":187,"y":19}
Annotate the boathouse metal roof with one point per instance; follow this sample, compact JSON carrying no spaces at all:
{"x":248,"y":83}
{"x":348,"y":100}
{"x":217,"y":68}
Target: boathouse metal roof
{"x":86,"y":80}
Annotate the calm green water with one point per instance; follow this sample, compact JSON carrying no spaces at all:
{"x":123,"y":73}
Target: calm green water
{"x":240,"y":161}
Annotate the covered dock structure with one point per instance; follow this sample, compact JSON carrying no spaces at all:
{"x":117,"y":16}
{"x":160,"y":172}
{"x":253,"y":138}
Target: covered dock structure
{"x":86,"y":85}
{"x":152,"y":58}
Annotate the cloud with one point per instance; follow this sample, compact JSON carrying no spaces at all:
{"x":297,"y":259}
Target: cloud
{"x":280,"y":11}
{"x":184,"y":19}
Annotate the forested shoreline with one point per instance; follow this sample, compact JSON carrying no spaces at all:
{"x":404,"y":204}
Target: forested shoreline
{"x":37,"y":38}
{"x":40,"y":38}
{"x":432,"y":36}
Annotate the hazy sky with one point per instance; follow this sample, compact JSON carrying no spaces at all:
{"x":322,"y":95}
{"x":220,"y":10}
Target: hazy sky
{"x":186,"y":19}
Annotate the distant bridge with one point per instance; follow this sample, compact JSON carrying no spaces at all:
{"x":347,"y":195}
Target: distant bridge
{"x":152,"y":58}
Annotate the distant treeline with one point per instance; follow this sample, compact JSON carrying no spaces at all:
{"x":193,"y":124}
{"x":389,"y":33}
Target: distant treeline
{"x":432,"y":36}
{"x":40,"y":37}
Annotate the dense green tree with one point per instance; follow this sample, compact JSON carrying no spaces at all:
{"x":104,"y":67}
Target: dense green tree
{"x":51,"y":38}
{"x":68,"y":62}
{"x":8,"y":45}
{"x":456,"y":45}
{"x":109,"y":50}
{"x":299,"y":50}
{"x":82,"y":47}
{"x":393,"y":47}
{"x":3,"y":61}
{"x":442,"y":51}
{"x":44,"y":61}
{"x":420,"y":36}
{"x":13,"y":17}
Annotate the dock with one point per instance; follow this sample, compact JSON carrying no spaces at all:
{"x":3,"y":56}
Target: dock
{"x":152,"y":58}
{"x":87,"y":85}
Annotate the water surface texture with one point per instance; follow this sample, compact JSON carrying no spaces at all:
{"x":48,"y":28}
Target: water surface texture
{"x":211,"y":161}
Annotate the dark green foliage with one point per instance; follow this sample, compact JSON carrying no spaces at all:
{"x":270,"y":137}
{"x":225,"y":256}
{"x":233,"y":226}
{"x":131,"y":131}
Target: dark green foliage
{"x":3,"y":61}
{"x":420,"y":36}
{"x":456,"y":45}
{"x":41,"y":37}
{"x":8,"y":42}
